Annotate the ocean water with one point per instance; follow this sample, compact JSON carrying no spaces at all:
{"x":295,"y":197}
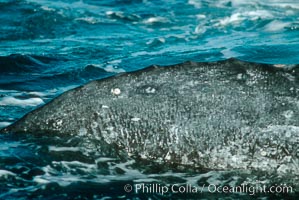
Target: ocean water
{"x":48,"y":47}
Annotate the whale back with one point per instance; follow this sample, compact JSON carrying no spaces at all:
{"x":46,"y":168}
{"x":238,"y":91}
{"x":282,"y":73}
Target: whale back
{"x":219,"y":115}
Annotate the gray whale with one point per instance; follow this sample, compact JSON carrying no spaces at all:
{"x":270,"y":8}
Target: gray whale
{"x":219,"y":115}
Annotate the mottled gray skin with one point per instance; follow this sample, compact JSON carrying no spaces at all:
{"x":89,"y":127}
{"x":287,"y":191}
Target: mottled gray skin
{"x":222,"y":115}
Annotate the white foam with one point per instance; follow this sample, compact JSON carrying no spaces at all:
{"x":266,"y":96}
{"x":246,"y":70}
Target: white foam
{"x":195,"y":3}
{"x":16,"y":93}
{"x":41,"y":94}
{"x":109,"y":12}
{"x":238,"y":17}
{"x":201,"y":16}
{"x":4,"y":124}
{"x":156,"y":40}
{"x":89,"y":20}
{"x":12,"y":101}
{"x":46,"y":8}
{"x":104,"y":159}
{"x":139,"y":53}
{"x":40,"y":180}
{"x":276,"y":25}
{"x":259,"y":14}
{"x":235,"y":18}
{"x":5,"y":173}
{"x":54,"y":148}
{"x":153,"y":20}
{"x":8,"y":91}
{"x":229,"y":53}
{"x":117,"y":61}
{"x":113,"y":69}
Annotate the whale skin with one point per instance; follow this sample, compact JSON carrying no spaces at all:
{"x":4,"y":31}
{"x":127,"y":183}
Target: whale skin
{"x":228,"y":114}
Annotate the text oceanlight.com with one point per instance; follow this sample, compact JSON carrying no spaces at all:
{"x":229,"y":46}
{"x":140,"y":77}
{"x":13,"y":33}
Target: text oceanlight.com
{"x":155,"y":188}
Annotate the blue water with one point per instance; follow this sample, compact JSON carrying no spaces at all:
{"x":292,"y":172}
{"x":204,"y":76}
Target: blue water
{"x":48,"y":47}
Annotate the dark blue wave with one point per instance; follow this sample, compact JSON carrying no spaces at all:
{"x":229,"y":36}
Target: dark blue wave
{"x":36,"y":73}
{"x":17,"y":63}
